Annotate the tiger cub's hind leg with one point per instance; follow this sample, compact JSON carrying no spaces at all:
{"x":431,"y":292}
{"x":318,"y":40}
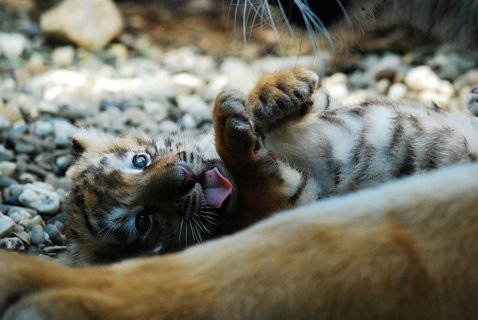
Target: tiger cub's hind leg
{"x":265,"y":184}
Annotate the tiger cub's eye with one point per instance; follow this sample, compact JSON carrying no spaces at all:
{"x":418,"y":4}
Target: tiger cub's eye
{"x":142,"y":222}
{"x":141,"y":160}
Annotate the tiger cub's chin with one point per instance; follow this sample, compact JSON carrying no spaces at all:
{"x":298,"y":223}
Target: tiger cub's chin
{"x":136,"y":196}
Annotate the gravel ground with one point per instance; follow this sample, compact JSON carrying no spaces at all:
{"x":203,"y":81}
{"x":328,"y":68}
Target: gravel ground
{"x":48,"y":91}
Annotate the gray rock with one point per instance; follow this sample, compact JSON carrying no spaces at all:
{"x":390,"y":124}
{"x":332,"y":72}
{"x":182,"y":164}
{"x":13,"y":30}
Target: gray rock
{"x":12,"y":244}
{"x":20,"y":215}
{"x":43,"y":128}
{"x":55,"y":249}
{"x":193,"y":104}
{"x":7,"y":225}
{"x":22,"y":147}
{"x":168,"y":126}
{"x":188,"y":121}
{"x":157,"y":110}
{"x":90,"y":24}
{"x":27,"y":178}
{"x":54,"y":234}
{"x":186,"y":82}
{"x":5,"y":154}
{"x":42,"y":200}
{"x":37,"y":235}
{"x":450,"y":66}
{"x":24,"y":236}
{"x":16,"y":189}
{"x":62,"y":131}
{"x":6,"y":182}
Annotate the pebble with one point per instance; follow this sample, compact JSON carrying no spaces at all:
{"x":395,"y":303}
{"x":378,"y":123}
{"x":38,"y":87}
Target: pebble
{"x":12,"y":244}
{"x":43,"y":128}
{"x":6,"y":182}
{"x":12,"y":45}
{"x":37,"y":235}
{"x":6,"y":154}
{"x":63,"y":56}
{"x":7,"y":168}
{"x":62,"y":131}
{"x":87,"y":23}
{"x":193,"y":104}
{"x":397,"y":91}
{"x":42,"y":200}
{"x":186,"y":82}
{"x":54,"y":234}
{"x":422,"y":78}
{"x":7,"y":225}
{"x":239,"y":73}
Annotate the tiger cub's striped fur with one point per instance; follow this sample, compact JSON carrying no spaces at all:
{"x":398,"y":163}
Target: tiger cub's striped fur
{"x":138,"y":195}
{"x":349,"y":148}
{"x":280,"y":147}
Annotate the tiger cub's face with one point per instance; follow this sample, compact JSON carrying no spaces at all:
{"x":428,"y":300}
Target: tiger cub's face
{"x":135,"y":195}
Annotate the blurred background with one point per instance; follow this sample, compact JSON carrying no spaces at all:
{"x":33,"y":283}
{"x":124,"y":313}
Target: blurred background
{"x":157,"y":66}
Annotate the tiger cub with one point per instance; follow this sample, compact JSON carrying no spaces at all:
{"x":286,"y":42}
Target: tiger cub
{"x":138,"y":195}
{"x":279,"y":147}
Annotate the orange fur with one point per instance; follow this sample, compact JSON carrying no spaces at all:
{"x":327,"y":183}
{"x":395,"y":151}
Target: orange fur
{"x":409,"y":254}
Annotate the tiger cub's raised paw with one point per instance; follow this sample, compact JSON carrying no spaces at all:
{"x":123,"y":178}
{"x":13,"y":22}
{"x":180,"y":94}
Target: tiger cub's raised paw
{"x":236,"y":141}
{"x":281,"y":96}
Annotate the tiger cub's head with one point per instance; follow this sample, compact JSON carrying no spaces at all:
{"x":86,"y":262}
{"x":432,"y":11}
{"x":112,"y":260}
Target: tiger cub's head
{"x":135,"y":195}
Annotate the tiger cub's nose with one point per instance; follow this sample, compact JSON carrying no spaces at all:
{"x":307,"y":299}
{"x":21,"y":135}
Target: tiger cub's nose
{"x":187,"y":176}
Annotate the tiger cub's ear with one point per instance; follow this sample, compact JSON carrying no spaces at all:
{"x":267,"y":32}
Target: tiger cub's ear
{"x":88,"y":139}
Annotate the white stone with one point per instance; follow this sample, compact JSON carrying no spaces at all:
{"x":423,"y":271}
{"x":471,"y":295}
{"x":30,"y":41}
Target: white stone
{"x":239,"y":74}
{"x":62,"y":130}
{"x":336,"y":78}
{"x":168,"y":126}
{"x":194,"y":105}
{"x":216,"y":86}
{"x":338,"y":91}
{"x":397,"y":91}
{"x":43,"y":128}
{"x":382,"y":86}
{"x":42,"y":200}
{"x":188,"y":121}
{"x":186,"y":82}
{"x":12,"y":45}
{"x":63,"y":56}
{"x":446,"y":88}
{"x":440,"y":99}
{"x":272,"y":64}
{"x":422,"y":78}
{"x":156,"y":109}
{"x":90,"y":24}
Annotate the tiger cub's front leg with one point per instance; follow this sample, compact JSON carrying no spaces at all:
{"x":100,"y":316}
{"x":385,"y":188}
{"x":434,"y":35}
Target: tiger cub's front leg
{"x":266,"y":185}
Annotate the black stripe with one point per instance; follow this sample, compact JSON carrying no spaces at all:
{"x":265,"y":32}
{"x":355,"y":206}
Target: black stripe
{"x":303,"y":182}
{"x":408,"y":164}
{"x":397,"y":134}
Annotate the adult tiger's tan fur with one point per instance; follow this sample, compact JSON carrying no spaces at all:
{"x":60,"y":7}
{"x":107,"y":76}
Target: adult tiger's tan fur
{"x":405,"y":250}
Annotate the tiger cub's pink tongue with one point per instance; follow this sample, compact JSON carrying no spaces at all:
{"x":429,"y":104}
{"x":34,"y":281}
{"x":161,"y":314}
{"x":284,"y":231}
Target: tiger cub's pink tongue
{"x":216,"y":187}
